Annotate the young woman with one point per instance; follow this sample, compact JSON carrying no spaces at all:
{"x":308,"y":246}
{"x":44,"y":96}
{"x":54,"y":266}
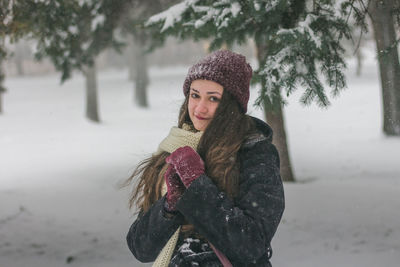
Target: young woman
{"x":212,"y":194}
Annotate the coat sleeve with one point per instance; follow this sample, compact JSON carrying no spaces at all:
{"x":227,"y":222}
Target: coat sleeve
{"x":241,"y":229}
{"x":151,"y":231}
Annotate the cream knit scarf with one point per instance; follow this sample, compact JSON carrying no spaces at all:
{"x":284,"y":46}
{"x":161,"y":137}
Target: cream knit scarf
{"x":176,"y":138}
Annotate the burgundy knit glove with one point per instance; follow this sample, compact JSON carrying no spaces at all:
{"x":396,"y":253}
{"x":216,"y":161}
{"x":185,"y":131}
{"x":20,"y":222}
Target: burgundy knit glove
{"x":187,"y":163}
{"x":175,"y":188}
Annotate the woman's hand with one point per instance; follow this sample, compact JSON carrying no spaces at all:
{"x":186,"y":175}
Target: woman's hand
{"x":187,"y":163}
{"x":175,"y":188}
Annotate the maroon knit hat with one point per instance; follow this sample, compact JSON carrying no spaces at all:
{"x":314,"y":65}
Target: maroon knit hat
{"x":226,"y":68}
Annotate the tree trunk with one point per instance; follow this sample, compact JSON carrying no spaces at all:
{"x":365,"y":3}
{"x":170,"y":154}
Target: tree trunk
{"x":274,"y":117}
{"x":19,"y":58}
{"x":1,"y":102}
{"x":130,"y":53}
{"x":141,"y":73}
{"x":359,"y":61}
{"x":276,"y":121}
{"x":2,"y":88}
{"x":91,"y":94}
{"x":389,"y":66}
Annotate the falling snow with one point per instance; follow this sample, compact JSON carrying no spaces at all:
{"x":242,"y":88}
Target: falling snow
{"x":59,"y":201}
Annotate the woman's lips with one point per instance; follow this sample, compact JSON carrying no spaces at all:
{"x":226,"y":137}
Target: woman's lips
{"x":199,"y":118}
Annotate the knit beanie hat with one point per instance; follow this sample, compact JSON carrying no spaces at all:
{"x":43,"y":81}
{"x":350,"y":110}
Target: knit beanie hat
{"x":226,"y":68}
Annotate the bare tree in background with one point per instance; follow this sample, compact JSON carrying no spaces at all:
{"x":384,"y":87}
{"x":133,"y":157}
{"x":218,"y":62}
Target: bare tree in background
{"x":12,"y":31}
{"x":2,"y":88}
{"x":140,"y":67}
{"x":132,"y":23}
{"x":90,"y":74}
{"x":21,"y":53}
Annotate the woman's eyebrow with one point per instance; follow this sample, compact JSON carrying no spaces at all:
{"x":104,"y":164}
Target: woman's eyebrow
{"x":208,"y":93}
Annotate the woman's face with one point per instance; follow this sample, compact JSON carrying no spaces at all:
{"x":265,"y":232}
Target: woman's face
{"x":204,"y":98}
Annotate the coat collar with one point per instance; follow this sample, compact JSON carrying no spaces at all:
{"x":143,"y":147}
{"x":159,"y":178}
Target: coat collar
{"x":263,"y":128}
{"x":263,"y":132}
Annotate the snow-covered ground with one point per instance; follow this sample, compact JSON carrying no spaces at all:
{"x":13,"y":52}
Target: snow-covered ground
{"x":59,"y":199}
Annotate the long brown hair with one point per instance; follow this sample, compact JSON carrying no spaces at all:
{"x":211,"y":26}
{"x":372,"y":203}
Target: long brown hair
{"x":218,"y":148}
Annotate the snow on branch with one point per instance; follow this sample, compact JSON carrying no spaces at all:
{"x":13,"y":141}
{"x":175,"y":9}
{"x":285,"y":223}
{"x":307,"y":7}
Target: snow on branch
{"x":298,"y":51}
{"x":303,"y":27}
{"x":7,"y":13}
{"x":171,"y":15}
{"x":98,"y":20}
{"x":219,"y":12}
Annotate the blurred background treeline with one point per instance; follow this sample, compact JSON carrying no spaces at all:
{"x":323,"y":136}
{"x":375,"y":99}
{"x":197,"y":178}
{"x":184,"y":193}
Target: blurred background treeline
{"x":22,"y":60}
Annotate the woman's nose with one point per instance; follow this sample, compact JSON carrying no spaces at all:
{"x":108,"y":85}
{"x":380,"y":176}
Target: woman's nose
{"x":201,"y":107}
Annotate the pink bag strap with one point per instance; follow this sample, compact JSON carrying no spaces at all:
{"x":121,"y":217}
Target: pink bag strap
{"x":223,"y":259}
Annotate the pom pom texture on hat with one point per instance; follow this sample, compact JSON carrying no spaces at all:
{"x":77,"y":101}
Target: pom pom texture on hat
{"x":226,"y":68}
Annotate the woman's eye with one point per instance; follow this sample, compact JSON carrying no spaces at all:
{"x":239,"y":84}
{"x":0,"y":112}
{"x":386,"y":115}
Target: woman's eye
{"x":214,"y":99}
{"x":194,"y":95}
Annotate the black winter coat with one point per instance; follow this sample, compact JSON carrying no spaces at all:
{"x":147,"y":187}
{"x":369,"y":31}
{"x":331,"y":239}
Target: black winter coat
{"x":241,"y":229}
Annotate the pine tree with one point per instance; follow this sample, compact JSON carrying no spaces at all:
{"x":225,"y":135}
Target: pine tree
{"x":10,"y":29}
{"x":297,"y":46}
{"x":72,"y":33}
{"x":5,"y":26}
